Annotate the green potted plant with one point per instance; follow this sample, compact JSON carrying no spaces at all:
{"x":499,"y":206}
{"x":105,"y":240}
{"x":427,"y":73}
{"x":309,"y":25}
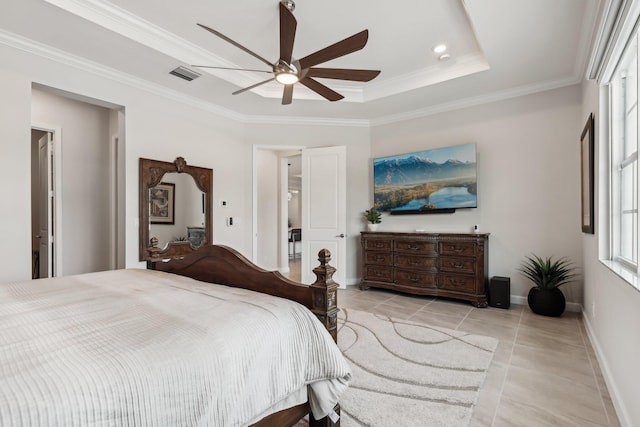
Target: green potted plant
{"x":547,"y":275}
{"x":373,"y":217}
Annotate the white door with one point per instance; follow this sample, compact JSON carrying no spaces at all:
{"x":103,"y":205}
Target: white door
{"x":324,"y":198}
{"x":45,"y":194}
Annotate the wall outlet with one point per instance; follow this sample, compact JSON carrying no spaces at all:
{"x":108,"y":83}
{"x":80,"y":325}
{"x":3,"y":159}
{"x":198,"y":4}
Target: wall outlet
{"x":230,"y":221}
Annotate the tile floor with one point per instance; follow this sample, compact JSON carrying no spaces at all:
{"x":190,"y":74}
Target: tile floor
{"x":544,"y":371}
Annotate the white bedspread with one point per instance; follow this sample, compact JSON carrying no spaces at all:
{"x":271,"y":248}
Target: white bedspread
{"x":139,"y":347}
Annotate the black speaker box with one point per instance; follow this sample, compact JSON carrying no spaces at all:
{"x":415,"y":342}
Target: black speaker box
{"x":499,"y":292}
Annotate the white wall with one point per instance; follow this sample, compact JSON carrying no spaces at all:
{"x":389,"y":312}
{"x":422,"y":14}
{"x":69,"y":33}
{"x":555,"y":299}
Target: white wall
{"x":611,"y":305}
{"x":528,"y":177}
{"x":15,"y":176}
{"x":86,"y":180}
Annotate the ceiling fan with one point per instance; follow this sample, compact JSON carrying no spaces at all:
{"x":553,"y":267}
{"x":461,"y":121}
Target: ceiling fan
{"x":290,"y":71}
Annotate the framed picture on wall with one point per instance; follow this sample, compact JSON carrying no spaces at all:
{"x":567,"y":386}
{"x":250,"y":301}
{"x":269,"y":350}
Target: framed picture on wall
{"x":587,"y":175}
{"x":162,"y":203}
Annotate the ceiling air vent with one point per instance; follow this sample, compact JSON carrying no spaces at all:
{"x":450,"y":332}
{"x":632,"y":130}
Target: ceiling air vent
{"x":185,"y":73}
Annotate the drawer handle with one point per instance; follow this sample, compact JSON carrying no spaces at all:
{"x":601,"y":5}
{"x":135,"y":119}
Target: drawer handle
{"x":414,"y":279}
{"x":457,"y":264}
{"x":379,"y":245}
{"x":413,"y":248}
{"x":413,"y":263}
{"x":455,"y":248}
{"x":456,"y":282}
{"x":377,"y":274}
{"x":379,"y":258}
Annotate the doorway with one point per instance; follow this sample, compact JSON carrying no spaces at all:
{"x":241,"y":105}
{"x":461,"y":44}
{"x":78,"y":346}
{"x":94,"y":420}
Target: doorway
{"x":322,"y":208}
{"x":43,"y":202}
{"x":85,"y":217}
{"x":294,"y":216}
{"x":271,"y":247}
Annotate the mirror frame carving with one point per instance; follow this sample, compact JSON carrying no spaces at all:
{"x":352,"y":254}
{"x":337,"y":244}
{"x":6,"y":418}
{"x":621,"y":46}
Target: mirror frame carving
{"x":150,"y":174}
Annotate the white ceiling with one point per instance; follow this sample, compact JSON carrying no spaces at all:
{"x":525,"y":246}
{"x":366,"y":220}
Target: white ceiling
{"x":499,"y":49}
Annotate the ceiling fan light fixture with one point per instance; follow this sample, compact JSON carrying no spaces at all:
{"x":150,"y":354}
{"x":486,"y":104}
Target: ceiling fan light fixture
{"x":289,"y":71}
{"x":287,"y":77}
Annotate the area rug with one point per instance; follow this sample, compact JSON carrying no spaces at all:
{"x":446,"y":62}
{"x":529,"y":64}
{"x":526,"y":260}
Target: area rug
{"x":410,"y":374}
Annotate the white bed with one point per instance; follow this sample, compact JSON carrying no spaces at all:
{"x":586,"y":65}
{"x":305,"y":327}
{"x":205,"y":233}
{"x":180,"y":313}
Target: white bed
{"x":143,"y":347}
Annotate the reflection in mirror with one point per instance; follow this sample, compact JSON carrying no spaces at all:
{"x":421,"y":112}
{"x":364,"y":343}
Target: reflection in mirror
{"x":175,"y":208}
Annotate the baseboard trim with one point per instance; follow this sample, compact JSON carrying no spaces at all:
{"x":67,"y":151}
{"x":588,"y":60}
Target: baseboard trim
{"x":621,"y":411}
{"x":352,"y":281}
{"x":571,"y":306}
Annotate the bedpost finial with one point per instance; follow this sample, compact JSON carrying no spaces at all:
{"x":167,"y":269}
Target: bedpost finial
{"x":324,"y":294}
{"x":180,"y":163}
{"x":324,"y":256}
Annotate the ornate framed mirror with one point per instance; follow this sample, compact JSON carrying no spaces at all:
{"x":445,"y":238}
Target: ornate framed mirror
{"x":175,"y":208}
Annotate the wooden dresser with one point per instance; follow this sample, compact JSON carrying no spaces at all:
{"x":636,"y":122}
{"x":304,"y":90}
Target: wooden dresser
{"x":438,"y":264}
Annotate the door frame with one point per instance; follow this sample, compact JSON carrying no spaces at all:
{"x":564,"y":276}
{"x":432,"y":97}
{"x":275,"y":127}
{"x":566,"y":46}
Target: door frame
{"x":56,"y":132}
{"x":282,"y":192}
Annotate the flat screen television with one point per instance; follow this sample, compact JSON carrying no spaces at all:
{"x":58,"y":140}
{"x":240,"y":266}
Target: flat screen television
{"x":431,"y":181}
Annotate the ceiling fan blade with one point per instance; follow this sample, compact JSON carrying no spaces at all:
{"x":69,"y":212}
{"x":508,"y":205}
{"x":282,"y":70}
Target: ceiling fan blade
{"x":343,"y":74}
{"x":336,"y":50}
{"x":288,"y":25}
{"x":235,"y":69}
{"x":236,"y":44}
{"x":252,"y":86}
{"x":287,"y":94}
{"x":321,"y":89}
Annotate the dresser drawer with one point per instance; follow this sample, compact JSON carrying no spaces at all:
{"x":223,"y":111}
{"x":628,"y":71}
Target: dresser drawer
{"x":456,"y":282}
{"x":379,"y":273}
{"x":457,"y":265}
{"x":378,"y":258}
{"x":422,"y":279}
{"x":378,"y":244}
{"x":414,"y":261}
{"x":423,"y":247}
{"x":452,"y":265}
{"x":457,"y":248}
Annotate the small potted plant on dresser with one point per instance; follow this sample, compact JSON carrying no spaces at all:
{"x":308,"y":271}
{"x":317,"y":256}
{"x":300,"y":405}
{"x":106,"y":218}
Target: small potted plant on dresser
{"x":373,"y":217}
{"x":545,"y":297}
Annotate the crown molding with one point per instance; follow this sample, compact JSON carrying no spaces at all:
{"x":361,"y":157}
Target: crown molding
{"x":308,"y":121}
{"x":478,"y":100}
{"x":458,"y":67}
{"x":48,"y":52}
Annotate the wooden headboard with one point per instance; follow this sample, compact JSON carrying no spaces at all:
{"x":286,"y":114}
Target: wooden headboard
{"x":224,"y":265}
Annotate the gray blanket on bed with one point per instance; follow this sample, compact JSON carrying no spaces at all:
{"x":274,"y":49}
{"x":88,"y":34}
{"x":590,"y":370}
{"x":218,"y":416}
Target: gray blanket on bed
{"x":139,"y":347}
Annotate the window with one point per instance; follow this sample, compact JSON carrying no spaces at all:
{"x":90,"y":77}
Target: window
{"x":623,"y":167}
